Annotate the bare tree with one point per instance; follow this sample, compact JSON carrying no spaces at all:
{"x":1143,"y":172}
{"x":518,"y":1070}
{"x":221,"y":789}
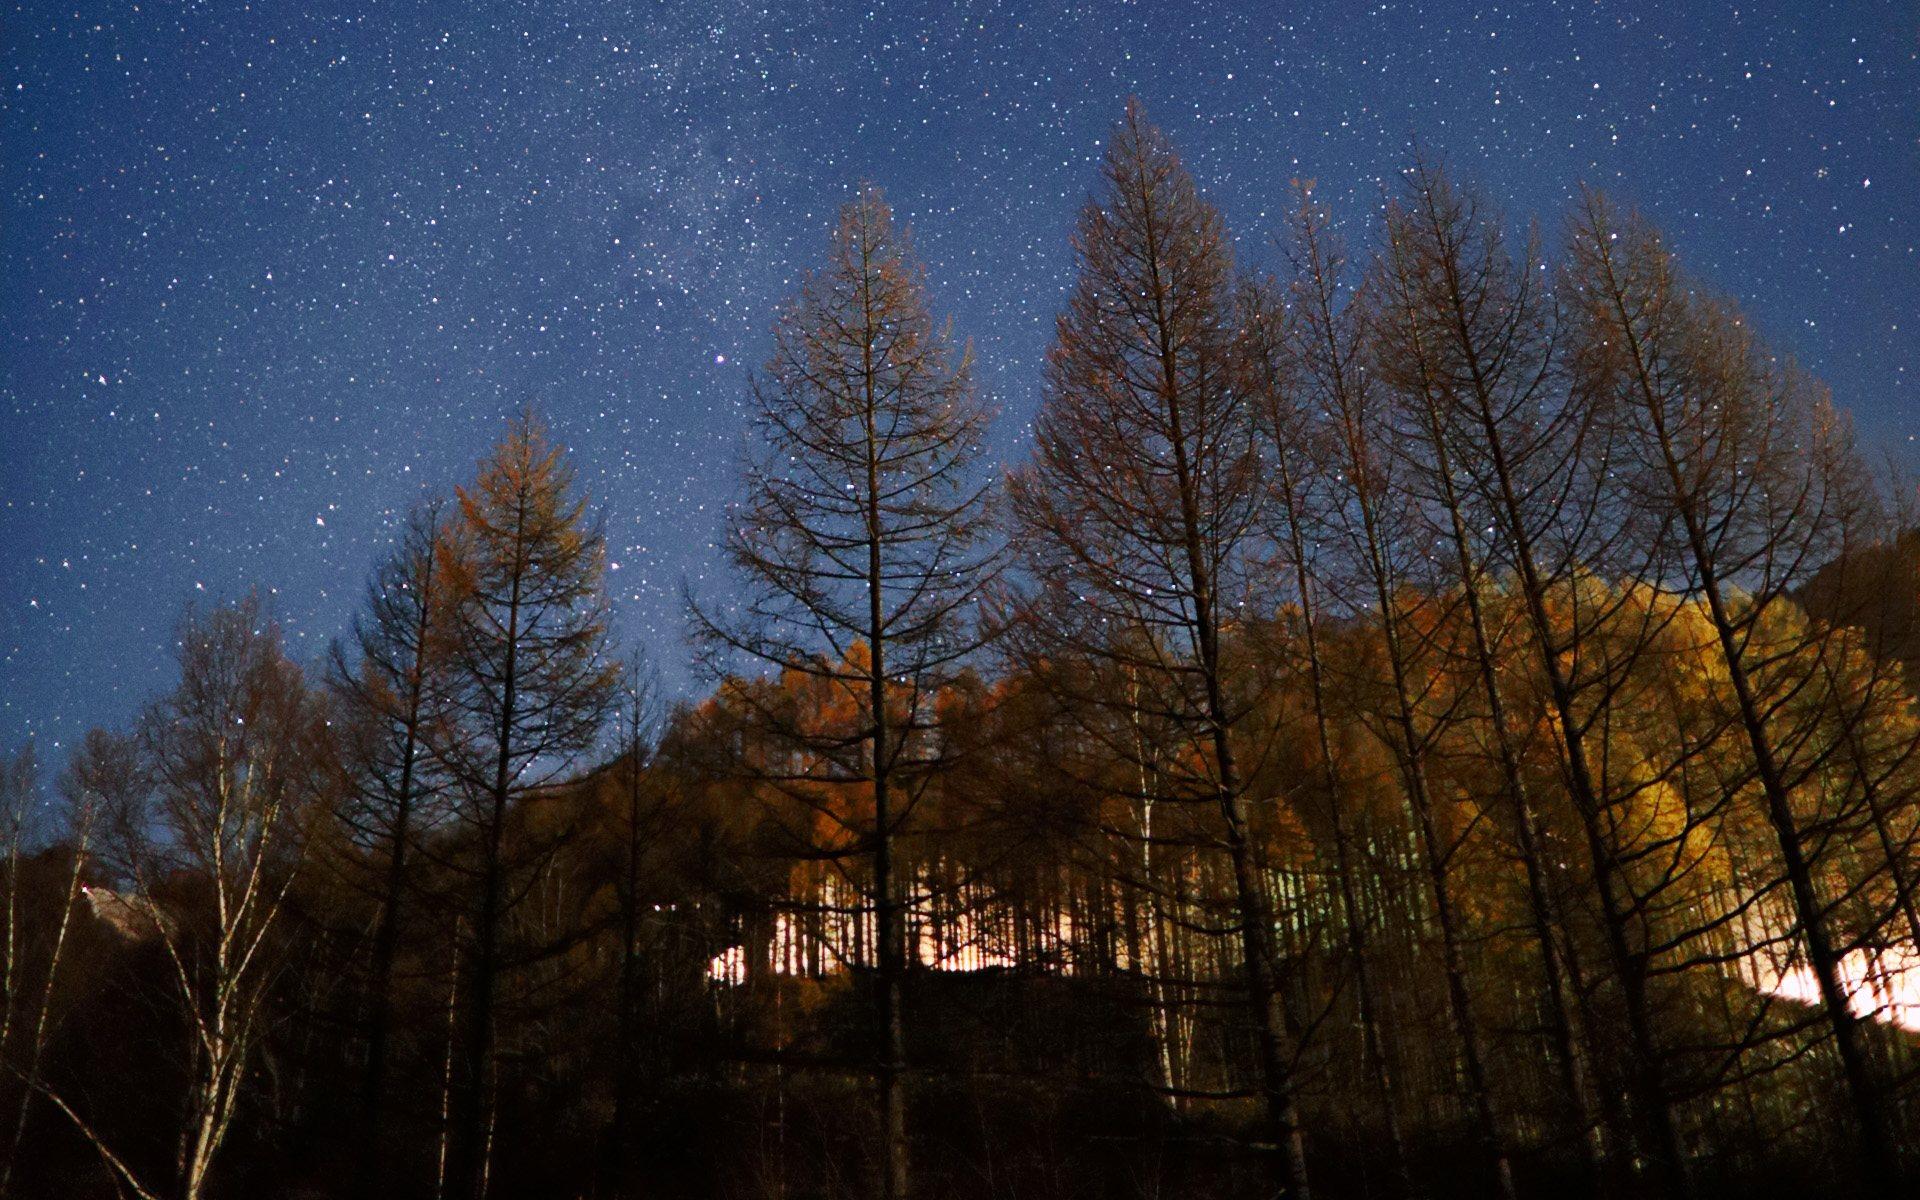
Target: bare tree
{"x":207,"y":834}
{"x":101,"y":772}
{"x":19,"y":796}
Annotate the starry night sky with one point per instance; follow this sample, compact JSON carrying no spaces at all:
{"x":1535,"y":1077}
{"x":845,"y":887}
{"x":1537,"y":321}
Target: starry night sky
{"x":272,"y":270}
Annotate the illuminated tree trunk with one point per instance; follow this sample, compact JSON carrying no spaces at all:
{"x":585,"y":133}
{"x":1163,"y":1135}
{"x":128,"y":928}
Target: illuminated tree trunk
{"x":98,"y":765}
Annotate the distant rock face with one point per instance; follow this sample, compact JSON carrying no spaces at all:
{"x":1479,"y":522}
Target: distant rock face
{"x":132,"y":918}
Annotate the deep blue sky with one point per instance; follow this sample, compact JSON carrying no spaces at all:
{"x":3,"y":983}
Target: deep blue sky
{"x":271,"y":270}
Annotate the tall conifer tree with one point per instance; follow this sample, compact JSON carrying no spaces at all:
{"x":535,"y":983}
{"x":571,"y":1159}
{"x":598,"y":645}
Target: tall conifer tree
{"x":530,"y":678}
{"x":1138,"y":519}
{"x":863,"y":541}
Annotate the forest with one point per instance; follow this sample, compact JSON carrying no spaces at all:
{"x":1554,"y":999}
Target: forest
{"x":1431,"y":714}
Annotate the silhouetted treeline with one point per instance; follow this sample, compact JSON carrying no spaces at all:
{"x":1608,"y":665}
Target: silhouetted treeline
{"x":1440,"y":721}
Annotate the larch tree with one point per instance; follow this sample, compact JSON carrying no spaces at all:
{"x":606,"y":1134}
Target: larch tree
{"x":1138,"y":522}
{"x":530,"y":677}
{"x":1873,"y":689}
{"x":637,"y":811}
{"x":387,"y":688}
{"x":1743,"y":456}
{"x":1374,"y":518}
{"x":862,"y":544}
{"x":1466,"y":339}
{"x":1280,"y":343}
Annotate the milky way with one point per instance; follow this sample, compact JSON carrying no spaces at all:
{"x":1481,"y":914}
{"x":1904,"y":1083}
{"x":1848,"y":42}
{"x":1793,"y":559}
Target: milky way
{"x":271,"y":272}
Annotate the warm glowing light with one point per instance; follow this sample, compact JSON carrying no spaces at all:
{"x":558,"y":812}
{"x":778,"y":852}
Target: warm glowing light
{"x":1882,"y":986}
